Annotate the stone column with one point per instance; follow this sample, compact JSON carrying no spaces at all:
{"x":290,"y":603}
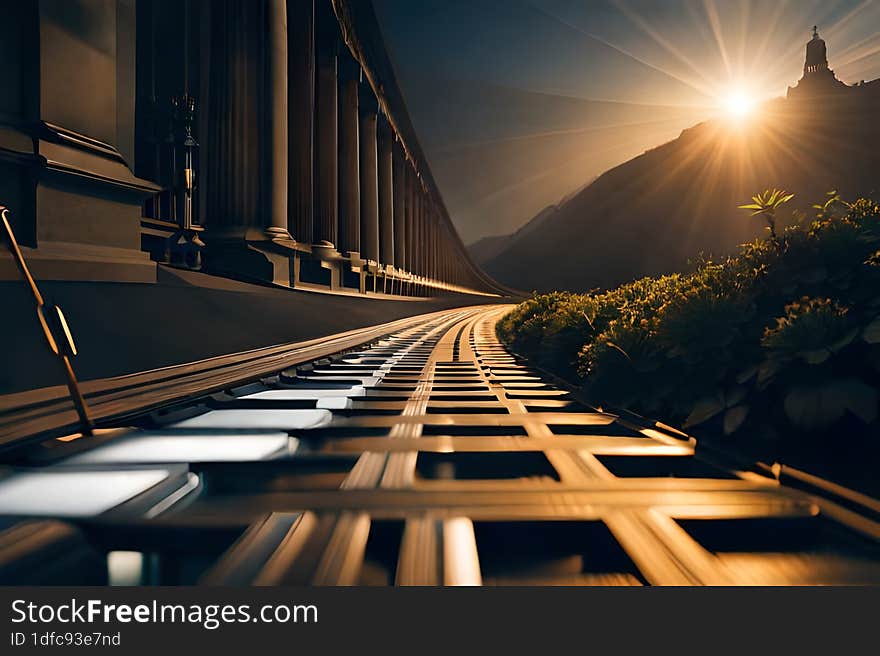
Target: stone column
{"x":369,"y":177}
{"x":301,"y":88}
{"x":349,"y":167}
{"x":326,"y":166}
{"x":420,"y":229}
{"x":277,"y":225}
{"x":444,"y":253}
{"x":410,"y":216}
{"x":435,"y":240}
{"x":429,"y":242}
{"x":399,"y":188}
{"x":386,"y":192}
{"x":429,"y":239}
{"x":426,"y":235}
{"x":458,"y":271}
{"x":236,"y":164}
{"x":245,"y":142}
{"x":416,"y":241}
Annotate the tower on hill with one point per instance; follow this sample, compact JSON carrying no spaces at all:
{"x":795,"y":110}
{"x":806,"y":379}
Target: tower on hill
{"x":818,"y":78}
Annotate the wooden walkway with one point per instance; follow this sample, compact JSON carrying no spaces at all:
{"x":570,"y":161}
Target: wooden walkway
{"x":437,"y":457}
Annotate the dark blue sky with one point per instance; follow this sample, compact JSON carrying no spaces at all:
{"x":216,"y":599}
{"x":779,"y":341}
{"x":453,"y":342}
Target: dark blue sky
{"x":521,"y":102}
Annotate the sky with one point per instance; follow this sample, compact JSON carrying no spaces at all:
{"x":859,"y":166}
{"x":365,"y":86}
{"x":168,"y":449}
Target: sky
{"x":520,"y":103}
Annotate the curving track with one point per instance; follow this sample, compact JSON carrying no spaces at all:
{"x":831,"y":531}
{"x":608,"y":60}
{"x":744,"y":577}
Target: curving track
{"x":432,"y":456}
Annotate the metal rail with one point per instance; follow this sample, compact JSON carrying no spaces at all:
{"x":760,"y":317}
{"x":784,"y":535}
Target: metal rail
{"x":59,"y":339}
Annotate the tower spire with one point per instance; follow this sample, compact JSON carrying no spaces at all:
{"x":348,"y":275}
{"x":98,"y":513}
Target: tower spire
{"x":818,"y":78}
{"x":817,"y":59}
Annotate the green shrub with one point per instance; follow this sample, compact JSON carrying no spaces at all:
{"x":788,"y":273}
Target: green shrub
{"x":784,"y":335}
{"x":812,"y":329}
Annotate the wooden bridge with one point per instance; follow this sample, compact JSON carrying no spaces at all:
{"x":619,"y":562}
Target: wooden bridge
{"x":257,"y":156}
{"x":431,"y":456}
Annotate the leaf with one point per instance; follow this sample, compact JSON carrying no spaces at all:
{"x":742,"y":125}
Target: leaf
{"x":589,"y":321}
{"x":871,"y":333}
{"x":766,"y":372}
{"x":861,"y":399}
{"x":813,"y":407}
{"x":704,"y":410}
{"x":748,"y":374}
{"x":846,"y":340}
{"x":817,"y":356}
{"x":734,"y":418}
{"x":819,"y":406}
{"x":734,"y":395}
{"x":617,"y":348}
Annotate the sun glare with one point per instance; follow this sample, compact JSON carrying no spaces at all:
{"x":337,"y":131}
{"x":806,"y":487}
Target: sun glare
{"x":737,"y":105}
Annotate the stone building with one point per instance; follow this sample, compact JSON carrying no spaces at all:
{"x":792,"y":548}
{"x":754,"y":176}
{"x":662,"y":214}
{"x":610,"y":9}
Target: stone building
{"x":819,"y":79}
{"x":262,"y":140}
{"x":184,"y":175}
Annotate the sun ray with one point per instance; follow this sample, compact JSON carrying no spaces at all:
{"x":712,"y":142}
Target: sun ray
{"x":698,"y":88}
{"x":761,"y":52}
{"x":854,"y":51}
{"x":861,"y":55}
{"x":706,"y":83}
{"x":452,"y":148}
{"x":775,"y":72}
{"x":838,"y":26}
{"x":550,"y":172}
{"x":751,"y":51}
{"x":744,"y":31}
{"x":711,"y":12}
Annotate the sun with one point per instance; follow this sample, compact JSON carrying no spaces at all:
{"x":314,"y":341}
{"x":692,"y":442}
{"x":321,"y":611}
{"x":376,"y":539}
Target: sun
{"x":737,"y":104}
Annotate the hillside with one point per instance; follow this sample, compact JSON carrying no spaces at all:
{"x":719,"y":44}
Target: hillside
{"x":501,"y":154}
{"x":773,"y":352}
{"x":485,"y":249}
{"x":654,"y":213}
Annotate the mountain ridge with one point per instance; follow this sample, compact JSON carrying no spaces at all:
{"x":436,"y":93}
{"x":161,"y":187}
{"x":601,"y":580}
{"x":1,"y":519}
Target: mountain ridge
{"x":657,"y":211}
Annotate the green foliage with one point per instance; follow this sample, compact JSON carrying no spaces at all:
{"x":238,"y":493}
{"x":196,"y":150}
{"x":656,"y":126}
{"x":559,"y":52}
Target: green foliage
{"x":812,"y":329}
{"x":784,"y":335}
{"x":766,"y":204}
{"x":826,"y":210}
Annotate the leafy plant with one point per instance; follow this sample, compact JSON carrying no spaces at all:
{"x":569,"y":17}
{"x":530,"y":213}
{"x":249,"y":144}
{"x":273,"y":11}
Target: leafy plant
{"x":820,"y":404}
{"x":767,"y":341}
{"x":826,"y":209}
{"x":812,"y":329}
{"x":766,"y":204}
